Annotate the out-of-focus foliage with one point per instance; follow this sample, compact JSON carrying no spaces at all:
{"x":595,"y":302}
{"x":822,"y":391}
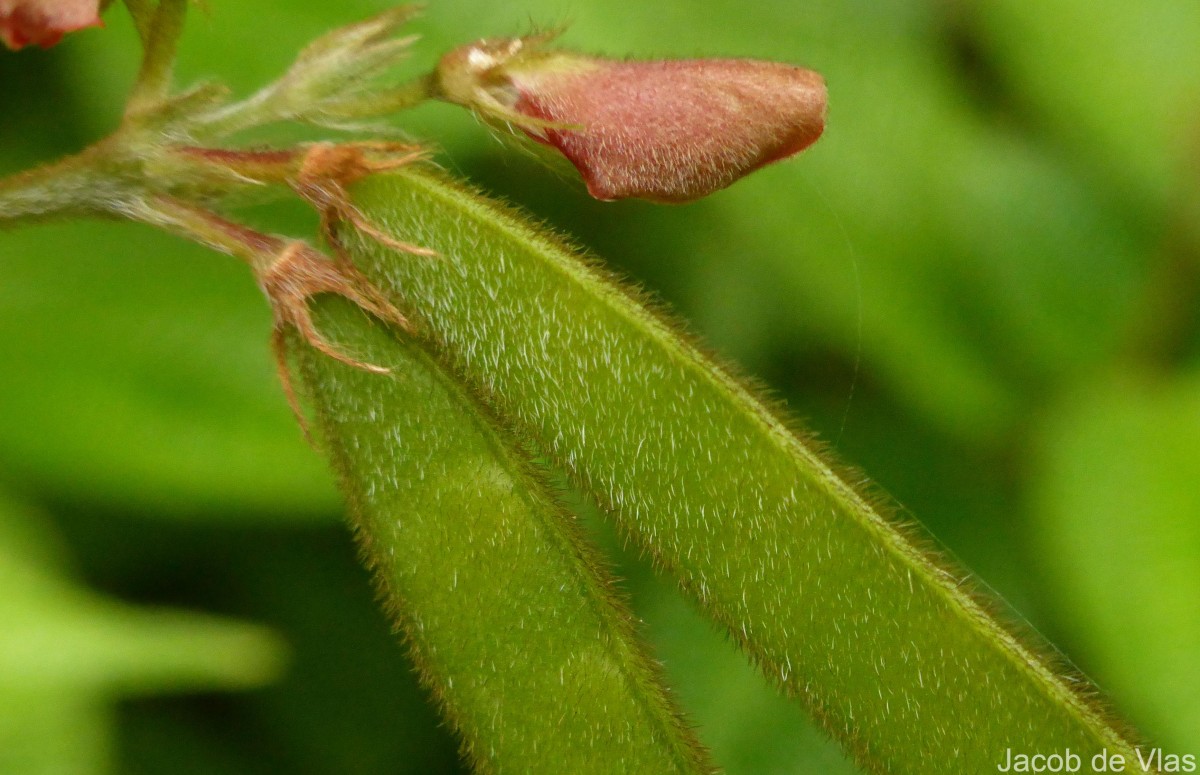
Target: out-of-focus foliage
{"x":1116,"y":482}
{"x":980,"y":286}
{"x":67,"y":654}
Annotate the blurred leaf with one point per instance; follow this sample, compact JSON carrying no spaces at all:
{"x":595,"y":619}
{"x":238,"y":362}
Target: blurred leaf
{"x":145,"y":378}
{"x":67,"y":654}
{"x":1117,"y":81}
{"x":1118,"y":506}
{"x":54,"y":731}
{"x":349,"y":703}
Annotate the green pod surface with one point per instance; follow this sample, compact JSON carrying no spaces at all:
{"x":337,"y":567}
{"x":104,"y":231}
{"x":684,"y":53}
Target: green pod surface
{"x":512,"y":624}
{"x":884,"y":645}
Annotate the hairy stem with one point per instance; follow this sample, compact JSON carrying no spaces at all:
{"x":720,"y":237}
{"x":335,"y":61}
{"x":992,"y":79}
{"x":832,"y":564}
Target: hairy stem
{"x":255,"y":248}
{"x":403,"y":97}
{"x":143,"y":18}
{"x":73,"y":186}
{"x":158,"y":61}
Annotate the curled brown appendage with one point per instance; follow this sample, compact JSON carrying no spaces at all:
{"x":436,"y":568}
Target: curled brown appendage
{"x":327,"y":169}
{"x":320,"y":174}
{"x":292,"y":272}
{"x":299,"y":273}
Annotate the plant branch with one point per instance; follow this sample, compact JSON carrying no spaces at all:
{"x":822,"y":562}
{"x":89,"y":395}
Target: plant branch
{"x":143,"y":18}
{"x":401,"y":98}
{"x":154,"y":77}
{"x":208,"y":228}
{"x":71,"y":186}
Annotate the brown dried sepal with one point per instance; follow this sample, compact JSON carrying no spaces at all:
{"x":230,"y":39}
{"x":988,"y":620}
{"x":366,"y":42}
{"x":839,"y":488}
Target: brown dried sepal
{"x":298,"y":274}
{"x":320,"y":174}
{"x":292,"y":272}
{"x":326,"y":171}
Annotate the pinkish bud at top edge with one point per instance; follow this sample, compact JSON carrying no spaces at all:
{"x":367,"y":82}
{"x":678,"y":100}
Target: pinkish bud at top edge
{"x":44,"y":22}
{"x":667,"y":131}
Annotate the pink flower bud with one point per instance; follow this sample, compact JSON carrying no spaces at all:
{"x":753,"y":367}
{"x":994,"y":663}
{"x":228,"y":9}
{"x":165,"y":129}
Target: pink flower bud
{"x":668,"y":131}
{"x":44,"y":22}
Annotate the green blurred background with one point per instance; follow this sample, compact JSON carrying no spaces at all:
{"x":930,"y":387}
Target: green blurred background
{"x":980,"y":287}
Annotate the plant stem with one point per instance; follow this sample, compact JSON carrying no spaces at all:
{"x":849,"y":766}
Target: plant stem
{"x":403,"y":97}
{"x":154,"y":78}
{"x":264,"y":107}
{"x":143,"y":18}
{"x":207,"y":228}
{"x":70,"y":186}
{"x":78,"y":186}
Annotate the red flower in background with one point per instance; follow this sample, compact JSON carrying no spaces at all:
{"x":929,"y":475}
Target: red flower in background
{"x":44,"y":22}
{"x":668,"y":131}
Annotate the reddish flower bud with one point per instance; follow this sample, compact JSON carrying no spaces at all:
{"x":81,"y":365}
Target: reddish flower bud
{"x":44,"y":22}
{"x":668,"y":131}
